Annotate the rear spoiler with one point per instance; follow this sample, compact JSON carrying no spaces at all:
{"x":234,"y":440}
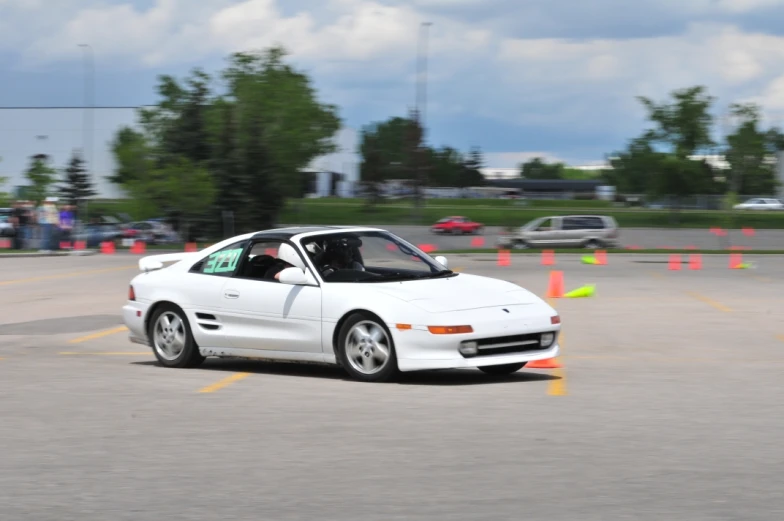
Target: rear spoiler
{"x":155,"y":262}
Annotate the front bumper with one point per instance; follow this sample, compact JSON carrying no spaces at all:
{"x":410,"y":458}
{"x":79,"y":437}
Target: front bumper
{"x":498,"y":343}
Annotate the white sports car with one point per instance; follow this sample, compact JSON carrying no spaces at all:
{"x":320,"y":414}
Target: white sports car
{"x":361,"y":298}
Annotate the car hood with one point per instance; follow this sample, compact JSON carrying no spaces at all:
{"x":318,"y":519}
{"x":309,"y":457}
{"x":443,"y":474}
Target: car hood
{"x":460,"y":293}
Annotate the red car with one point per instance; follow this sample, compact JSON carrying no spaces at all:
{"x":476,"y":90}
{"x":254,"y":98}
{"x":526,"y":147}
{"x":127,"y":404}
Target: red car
{"x":456,"y":225}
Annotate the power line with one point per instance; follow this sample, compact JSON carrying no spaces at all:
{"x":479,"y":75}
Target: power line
{"x":75,"y":107}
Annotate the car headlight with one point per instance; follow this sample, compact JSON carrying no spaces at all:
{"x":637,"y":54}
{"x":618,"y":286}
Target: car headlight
{"x":547,"y":339}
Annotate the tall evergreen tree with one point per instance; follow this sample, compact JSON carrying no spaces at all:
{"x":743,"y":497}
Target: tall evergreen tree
{"x":77,"y":184}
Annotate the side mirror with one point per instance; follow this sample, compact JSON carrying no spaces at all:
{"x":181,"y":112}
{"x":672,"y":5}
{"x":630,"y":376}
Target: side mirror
{"x":294,"y":276}
{"x":442,"y":261}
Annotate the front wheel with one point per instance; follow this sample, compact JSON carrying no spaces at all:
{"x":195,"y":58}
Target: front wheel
{"x":171,"y":338}
{"x":366,"y":350}
{"x":502,"y":369}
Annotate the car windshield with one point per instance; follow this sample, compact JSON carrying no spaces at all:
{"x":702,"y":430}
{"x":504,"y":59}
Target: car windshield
{"x":372,"y":256}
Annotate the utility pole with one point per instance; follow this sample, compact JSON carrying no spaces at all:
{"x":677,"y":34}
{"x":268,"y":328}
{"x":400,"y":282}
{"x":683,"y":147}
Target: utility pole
{"x":421,"y":105}
{"x":89,"y":102}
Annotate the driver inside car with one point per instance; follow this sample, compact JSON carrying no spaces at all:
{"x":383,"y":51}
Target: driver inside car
{"x":338,"y":256}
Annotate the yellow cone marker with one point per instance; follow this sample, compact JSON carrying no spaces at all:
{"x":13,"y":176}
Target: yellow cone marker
{"x":587,"y":259}
{"x":585,"y":291}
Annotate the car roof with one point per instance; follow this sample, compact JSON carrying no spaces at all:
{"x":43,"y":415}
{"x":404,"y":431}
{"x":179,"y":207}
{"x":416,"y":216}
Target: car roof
{"x":299,"y":232}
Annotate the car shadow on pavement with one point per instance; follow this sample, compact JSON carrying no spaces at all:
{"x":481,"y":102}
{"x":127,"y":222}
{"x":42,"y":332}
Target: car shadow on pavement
{"x":314,"y":370}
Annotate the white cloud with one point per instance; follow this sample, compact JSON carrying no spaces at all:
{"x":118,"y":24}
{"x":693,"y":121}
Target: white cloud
{"x":362,"y":52}
{"x":743,"y":6}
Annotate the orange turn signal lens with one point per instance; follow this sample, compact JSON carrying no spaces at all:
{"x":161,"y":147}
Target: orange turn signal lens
{"x":403,"y":327}
{"x":450,"y":330}
{"x":555,"y":320}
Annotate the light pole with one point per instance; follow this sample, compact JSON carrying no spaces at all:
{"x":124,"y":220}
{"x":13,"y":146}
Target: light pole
{"x":89,"y":101}
{"x":421,"y":102}
{"x":421,"y":95}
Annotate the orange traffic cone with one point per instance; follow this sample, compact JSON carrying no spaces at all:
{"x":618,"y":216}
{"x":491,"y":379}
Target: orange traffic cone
{"x":736,"y":259}
{"x":80,"y":245}
{"x":190,"y":247}
{"x":675,"y":262}
{"x":138,"y":247}
{"x":548,"y":258}
{"x":547,"y":363}
{"x":601,"y":257}
{"x":504,"y":258}
{"x":555,"y":288}
{"x":107,"y":247}
{"x":478,"y":242}
{"x":695,"y":261}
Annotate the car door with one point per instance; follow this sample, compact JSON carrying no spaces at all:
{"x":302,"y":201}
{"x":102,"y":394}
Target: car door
{"x":572,"y":232}
{"x":267,"y":315}
{"x":203,"y":291}
{"x":547,"y":233}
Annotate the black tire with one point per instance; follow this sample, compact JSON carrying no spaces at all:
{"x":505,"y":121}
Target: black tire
{"x":189,"y":356}
{"x":388,"y":369}
{"x":520,"y":245}
{"x":499,"y":370}
{"x":593,"y":244}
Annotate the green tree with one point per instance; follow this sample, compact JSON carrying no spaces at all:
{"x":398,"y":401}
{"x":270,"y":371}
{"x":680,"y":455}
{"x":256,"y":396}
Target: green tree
{"x":751,"y":153}
{"x":179,"y":189}
{"x":537,"y":168}
{"x":41,"y":177}
{"x":77,"y":184}
{"x":131,"y":154}
{"x":634,"y":169}
{"x":391,"y":150}
{"x":295,"y":128}
{"x":470,"y":174}
{"x":253,"y":139}
{"x":684,"y":123}
{"x":658,"y":162}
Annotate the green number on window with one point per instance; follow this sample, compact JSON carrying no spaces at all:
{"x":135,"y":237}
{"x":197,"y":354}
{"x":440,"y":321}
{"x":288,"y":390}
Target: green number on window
{"x":223,"y":261}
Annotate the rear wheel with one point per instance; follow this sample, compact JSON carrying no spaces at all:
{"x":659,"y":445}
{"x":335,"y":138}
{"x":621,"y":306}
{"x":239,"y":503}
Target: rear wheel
{"x":502,"y":369}
{"x":171,"y":338}
{"x":366,"y":349}
{"x":520,"y":245}
{"x":593,"y":244}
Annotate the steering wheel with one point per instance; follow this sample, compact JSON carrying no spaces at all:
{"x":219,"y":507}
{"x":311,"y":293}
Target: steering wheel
{"x":326,"y":269}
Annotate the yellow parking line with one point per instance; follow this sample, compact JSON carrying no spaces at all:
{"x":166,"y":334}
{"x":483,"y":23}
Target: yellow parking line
{"x":220,"y":384}
{"x":780,"y":337}
{"x":557,"y":387}
{"x":457,"y":270}
{"x":127,"y":353}
{"x":710,"y":302}
{"x":99,"y":334}
{"x":65,"y":275}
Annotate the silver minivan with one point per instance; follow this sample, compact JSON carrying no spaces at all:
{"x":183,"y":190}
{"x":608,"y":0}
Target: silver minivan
{"x":565,"y":231}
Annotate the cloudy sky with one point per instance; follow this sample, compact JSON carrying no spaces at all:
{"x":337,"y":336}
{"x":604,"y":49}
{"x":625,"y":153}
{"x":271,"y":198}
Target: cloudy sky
{"x":518,"y":78}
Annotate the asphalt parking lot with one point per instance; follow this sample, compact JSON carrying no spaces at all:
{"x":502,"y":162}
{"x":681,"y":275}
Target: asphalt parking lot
{"x":668,"y":407}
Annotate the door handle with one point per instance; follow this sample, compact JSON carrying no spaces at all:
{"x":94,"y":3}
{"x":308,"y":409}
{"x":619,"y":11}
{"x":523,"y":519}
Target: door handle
{"x":231,"y":294}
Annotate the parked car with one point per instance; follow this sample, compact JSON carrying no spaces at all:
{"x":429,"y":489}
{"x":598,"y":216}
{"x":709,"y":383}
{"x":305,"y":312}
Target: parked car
{"x":151,"y":232}
{"x":760,"y":203}
{"x":565,"y":231}
{"x":457,"y":225}
{"x":6,"y":228}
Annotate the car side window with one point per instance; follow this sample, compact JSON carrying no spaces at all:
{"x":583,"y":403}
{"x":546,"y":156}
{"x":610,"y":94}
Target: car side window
{"x":545,"y":225}
{"x":262,"y":262}
{"x":570,"y":223}
{"x":222,"y":263}
{"x":595,"y":223}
